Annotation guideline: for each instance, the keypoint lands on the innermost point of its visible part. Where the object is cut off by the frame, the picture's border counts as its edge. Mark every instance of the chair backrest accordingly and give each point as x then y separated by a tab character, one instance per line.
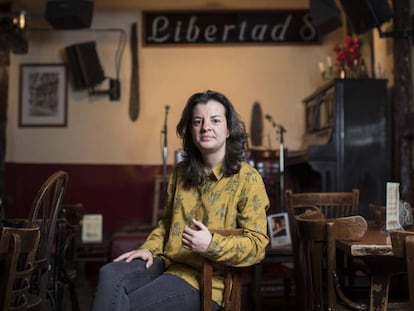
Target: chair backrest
377	213
331	204
232	280
317	241
20	246
403	247
9	256
44	212
45	209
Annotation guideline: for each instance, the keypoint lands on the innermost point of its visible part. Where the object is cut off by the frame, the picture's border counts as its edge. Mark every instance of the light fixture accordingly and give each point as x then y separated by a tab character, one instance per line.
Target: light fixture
20	21
13	31
13	22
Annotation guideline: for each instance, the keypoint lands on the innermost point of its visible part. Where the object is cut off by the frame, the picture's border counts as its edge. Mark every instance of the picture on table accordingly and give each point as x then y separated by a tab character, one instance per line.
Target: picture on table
278	228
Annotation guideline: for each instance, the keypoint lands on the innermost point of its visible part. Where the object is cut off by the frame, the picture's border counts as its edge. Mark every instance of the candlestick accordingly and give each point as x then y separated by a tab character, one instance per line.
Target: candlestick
329	61
321	67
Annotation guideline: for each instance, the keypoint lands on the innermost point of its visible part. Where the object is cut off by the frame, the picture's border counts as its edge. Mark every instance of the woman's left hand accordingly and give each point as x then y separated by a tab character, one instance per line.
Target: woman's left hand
196	237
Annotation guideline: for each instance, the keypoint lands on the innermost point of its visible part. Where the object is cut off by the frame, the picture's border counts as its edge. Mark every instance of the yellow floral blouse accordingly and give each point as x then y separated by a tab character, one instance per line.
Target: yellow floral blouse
237	201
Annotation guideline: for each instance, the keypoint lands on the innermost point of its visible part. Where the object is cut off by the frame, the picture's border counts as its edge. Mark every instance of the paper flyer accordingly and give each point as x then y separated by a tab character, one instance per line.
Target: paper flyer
393	198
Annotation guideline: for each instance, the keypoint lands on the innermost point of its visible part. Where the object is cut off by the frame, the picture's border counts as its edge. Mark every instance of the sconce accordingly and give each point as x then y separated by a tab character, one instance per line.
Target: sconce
12	32
13	22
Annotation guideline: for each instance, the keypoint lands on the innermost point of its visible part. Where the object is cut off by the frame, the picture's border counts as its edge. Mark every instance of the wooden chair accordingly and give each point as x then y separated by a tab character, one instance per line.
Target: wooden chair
44	212
232	283
331	204
376	212
317	241
9	256
68	239
403	247
19	245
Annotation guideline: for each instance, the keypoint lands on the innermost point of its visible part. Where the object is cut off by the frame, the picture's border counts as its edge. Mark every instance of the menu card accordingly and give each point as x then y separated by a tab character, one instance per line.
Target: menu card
392	221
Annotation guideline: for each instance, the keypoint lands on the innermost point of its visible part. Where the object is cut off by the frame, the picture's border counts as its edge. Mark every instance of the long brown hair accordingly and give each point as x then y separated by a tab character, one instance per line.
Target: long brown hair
192	165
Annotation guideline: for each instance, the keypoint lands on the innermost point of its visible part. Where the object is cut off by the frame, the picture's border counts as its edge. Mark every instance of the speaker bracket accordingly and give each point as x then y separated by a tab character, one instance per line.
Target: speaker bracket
114	90
398	34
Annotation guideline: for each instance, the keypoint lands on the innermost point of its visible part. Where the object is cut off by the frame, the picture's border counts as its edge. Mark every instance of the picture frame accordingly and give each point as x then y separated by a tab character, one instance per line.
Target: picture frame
92	228
43	95
278	229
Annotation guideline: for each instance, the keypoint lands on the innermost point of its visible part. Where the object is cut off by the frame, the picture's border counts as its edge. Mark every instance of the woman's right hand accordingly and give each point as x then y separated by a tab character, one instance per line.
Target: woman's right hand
142	253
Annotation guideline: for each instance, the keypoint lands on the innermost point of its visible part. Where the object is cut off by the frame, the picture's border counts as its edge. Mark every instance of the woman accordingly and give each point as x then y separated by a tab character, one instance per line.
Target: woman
213	187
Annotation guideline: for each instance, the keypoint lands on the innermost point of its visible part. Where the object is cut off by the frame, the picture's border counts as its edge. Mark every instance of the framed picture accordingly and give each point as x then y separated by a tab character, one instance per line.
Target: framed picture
92	228
43	95
278	227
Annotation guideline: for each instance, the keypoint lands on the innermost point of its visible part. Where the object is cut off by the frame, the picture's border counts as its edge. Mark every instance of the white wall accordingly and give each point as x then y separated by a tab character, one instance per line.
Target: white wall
99	131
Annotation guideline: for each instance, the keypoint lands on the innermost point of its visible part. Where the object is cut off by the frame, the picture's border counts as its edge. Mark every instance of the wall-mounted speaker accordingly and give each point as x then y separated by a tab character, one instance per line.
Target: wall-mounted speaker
364	15
84	65
326	16
69	14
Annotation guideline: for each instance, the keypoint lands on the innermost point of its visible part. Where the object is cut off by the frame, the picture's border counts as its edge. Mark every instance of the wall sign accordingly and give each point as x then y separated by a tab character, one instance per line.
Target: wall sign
228	27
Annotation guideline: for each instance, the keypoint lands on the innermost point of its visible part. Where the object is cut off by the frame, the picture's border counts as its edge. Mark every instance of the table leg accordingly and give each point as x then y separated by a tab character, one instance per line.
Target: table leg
382	268
379	292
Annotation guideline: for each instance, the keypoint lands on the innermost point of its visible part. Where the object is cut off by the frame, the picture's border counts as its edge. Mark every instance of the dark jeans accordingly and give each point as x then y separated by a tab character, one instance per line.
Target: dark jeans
130	286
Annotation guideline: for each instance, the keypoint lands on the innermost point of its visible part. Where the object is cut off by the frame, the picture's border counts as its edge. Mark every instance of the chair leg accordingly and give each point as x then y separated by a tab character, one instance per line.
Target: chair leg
206	289
74	297
287	284
409	240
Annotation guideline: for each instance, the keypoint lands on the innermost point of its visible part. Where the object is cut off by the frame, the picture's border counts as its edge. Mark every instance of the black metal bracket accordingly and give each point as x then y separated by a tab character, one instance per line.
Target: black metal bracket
397	34
114	91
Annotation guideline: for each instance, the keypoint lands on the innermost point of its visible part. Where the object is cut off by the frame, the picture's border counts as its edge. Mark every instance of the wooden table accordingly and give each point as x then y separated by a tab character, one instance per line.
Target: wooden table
376	250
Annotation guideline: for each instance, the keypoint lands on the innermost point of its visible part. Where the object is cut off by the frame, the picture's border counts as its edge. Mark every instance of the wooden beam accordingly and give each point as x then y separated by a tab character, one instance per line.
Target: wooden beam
402	105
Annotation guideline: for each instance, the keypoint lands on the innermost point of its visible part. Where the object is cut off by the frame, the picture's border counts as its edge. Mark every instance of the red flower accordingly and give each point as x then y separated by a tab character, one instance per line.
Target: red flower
348	52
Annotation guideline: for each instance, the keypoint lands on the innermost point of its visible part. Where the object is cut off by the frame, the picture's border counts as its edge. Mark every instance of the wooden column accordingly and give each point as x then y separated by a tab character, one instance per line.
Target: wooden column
402	105
4	95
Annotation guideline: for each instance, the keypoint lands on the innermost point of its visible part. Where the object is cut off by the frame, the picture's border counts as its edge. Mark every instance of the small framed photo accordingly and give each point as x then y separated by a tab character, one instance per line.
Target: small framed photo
92	228
278	227
43	95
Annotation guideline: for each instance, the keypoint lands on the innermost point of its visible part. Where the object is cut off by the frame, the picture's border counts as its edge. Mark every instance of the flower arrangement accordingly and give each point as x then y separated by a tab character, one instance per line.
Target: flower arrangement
348	53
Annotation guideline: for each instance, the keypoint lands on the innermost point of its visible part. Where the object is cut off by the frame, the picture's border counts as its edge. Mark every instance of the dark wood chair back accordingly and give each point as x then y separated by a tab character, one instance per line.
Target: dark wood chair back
331	204
232	279
69	239
317	241
44	212
403	247
376	212
9	256
19	247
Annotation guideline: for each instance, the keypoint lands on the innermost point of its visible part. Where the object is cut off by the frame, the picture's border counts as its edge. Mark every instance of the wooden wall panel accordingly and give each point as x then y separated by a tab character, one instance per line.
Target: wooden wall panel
122	193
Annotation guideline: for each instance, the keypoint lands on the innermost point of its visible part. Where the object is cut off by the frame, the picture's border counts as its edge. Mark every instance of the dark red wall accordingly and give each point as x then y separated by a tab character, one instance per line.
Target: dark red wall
122	193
